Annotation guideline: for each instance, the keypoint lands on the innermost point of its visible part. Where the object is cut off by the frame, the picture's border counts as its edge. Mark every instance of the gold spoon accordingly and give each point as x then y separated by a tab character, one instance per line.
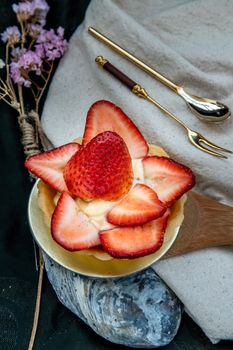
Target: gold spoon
196	139
204	108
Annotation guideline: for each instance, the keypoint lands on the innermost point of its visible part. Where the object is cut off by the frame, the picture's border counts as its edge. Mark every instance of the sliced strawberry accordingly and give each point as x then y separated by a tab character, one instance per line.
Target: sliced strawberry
48	166
102	169
169	179
105	116
139	206
70	227
137	241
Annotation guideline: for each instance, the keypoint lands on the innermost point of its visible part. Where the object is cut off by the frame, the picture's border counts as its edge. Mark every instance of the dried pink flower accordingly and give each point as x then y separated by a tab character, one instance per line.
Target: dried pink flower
29	61
41	9
33	30
17	52
50	45
15	74
29	52
11	35
34	11
24	10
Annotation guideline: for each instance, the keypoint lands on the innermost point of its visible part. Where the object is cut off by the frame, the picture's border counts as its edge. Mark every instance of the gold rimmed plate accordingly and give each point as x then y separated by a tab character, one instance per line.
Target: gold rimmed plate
89	265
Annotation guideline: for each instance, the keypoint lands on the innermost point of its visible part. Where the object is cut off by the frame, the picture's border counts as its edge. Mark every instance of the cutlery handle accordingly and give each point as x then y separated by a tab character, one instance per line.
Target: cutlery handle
135	88
129	83
133	59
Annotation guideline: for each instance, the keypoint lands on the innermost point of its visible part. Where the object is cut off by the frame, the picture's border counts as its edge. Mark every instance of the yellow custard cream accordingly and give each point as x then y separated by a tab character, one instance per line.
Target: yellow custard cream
96	209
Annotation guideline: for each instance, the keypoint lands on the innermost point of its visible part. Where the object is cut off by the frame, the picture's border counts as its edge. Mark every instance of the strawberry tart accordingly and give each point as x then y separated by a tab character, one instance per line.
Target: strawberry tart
109	194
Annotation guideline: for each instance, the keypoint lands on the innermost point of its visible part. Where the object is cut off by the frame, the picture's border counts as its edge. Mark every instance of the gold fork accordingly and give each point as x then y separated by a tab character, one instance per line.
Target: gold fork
196	139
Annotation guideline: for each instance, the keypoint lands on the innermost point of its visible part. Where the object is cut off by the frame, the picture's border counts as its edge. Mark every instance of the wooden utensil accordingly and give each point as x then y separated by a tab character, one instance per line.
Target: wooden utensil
207	223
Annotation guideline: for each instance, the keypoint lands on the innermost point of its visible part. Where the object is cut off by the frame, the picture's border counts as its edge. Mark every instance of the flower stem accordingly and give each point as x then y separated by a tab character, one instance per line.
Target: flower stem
20	90
23	33
11	103
31	44
3	86
33	92
44	87
2	97
38	301
8	77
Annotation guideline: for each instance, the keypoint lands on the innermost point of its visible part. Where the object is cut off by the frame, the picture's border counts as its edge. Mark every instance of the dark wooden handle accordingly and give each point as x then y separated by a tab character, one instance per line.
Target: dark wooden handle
119	75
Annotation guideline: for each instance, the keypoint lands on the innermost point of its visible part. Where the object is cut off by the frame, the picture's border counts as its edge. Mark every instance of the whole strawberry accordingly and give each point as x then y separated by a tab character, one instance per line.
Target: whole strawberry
101	169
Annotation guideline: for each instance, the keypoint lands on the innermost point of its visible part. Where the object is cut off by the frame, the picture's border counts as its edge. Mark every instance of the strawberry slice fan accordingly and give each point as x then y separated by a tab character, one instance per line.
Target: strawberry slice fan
112	168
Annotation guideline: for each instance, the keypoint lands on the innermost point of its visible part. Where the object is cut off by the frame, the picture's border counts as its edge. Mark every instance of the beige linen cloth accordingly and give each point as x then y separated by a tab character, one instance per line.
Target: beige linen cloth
191	42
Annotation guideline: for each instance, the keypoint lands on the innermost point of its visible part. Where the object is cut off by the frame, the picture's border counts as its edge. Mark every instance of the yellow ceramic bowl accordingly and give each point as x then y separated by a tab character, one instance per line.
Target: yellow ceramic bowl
94	262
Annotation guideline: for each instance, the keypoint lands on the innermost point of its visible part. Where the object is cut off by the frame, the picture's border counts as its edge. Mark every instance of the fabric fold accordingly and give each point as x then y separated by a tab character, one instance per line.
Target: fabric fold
185	41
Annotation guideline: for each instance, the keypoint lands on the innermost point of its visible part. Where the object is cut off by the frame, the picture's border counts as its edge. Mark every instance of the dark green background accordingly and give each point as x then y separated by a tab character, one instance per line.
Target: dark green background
58	328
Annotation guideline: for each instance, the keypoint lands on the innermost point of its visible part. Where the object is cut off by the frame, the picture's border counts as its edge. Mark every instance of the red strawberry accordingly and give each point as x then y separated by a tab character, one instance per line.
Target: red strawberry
70	227
139	206
169	179
48	166
102	169
105	116
134	242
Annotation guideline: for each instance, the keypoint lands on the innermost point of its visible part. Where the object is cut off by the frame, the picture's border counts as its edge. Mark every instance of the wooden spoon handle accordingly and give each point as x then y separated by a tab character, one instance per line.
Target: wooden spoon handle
207	224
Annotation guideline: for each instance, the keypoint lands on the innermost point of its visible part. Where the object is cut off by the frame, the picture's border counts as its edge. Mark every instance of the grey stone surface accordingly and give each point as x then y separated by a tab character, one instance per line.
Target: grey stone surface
138	311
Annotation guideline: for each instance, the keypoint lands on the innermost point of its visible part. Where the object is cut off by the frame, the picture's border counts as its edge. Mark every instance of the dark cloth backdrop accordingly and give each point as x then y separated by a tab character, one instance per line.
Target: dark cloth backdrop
58	328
